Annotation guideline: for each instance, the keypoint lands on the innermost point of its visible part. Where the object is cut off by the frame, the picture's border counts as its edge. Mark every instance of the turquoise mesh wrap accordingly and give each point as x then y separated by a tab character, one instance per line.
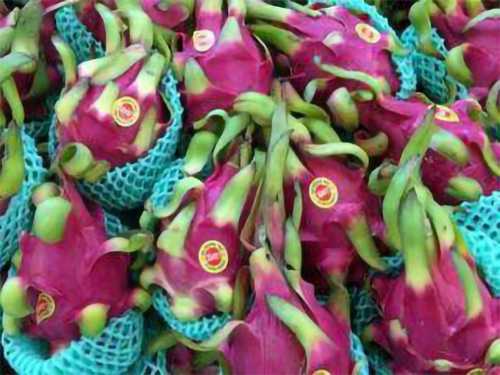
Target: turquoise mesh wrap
480	224
432	75
40	127
19	214
198	330
151	365
403	64
164	187
128	186
112	352
73	32
358	355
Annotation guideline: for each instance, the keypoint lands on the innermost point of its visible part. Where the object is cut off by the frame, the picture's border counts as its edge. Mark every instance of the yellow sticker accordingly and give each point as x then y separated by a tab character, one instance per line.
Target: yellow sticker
323	192
321	372
368	33
445	114
203	40
45	307
126	111
213	256
477	371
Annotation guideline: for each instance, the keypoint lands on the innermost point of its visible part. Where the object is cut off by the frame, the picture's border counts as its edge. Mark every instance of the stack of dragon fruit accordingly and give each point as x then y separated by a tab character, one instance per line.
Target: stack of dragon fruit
300	177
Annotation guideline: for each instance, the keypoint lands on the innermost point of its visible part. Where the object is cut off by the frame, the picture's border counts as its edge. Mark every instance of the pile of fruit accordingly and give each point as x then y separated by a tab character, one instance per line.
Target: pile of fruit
250	187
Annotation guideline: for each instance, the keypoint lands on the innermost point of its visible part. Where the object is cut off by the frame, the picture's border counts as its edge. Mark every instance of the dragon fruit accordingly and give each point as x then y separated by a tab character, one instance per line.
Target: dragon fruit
462	163
168	14
469	32
437	316
322	45
111	111
199	251
12	164
71	277
281	324
216	48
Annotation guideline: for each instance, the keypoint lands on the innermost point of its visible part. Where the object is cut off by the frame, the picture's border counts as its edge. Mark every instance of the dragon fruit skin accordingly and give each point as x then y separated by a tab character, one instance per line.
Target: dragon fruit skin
11	165
330	36
354	209
202	284
280	324
469	32
71	278
169	15
475	158
90	113
420	327
207	84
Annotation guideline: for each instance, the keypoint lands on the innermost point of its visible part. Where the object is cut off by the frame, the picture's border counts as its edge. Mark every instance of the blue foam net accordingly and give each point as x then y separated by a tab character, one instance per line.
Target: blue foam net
432	75
113	352
19	214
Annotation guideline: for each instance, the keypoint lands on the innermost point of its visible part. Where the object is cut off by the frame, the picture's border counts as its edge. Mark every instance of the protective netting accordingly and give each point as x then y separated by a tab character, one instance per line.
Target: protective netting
432	75
198	330
19	214
128	186
403	64
151	365
358	355
113	352
73	32
40	127
164	187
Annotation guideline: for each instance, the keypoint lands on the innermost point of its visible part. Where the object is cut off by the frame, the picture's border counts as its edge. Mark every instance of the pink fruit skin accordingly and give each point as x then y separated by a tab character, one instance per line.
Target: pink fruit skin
75	272
352	53
180	359
435	322
259	345
186	275
232	67
101	134
172	18
398	120
482	55
320	225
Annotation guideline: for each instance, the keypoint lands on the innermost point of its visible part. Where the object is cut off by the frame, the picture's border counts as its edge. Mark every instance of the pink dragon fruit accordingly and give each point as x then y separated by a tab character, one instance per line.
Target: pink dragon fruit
281	324
470	33
437	316
168	14
111	112
462	164
182	360
71	277
220	61
12	164
199	248
322	45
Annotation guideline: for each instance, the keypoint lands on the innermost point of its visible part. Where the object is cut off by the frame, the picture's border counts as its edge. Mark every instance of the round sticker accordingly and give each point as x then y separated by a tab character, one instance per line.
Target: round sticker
213	256
203	40
45	307
321	372
368	33
323	192
126	111
445	114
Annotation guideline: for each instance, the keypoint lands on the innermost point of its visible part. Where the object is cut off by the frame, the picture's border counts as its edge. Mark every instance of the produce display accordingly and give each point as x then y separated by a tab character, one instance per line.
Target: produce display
250	187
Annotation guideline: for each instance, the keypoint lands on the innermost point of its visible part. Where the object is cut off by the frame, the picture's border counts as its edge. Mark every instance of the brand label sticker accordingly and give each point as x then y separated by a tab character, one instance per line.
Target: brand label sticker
213	256
45	307
203	40
126	111
368	33
323	192
445	114
321	372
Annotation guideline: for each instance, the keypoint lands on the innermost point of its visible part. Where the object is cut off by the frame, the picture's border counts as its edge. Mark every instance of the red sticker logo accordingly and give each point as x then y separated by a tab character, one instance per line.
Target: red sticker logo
126	111
45	307
213	256
445	114
323	192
